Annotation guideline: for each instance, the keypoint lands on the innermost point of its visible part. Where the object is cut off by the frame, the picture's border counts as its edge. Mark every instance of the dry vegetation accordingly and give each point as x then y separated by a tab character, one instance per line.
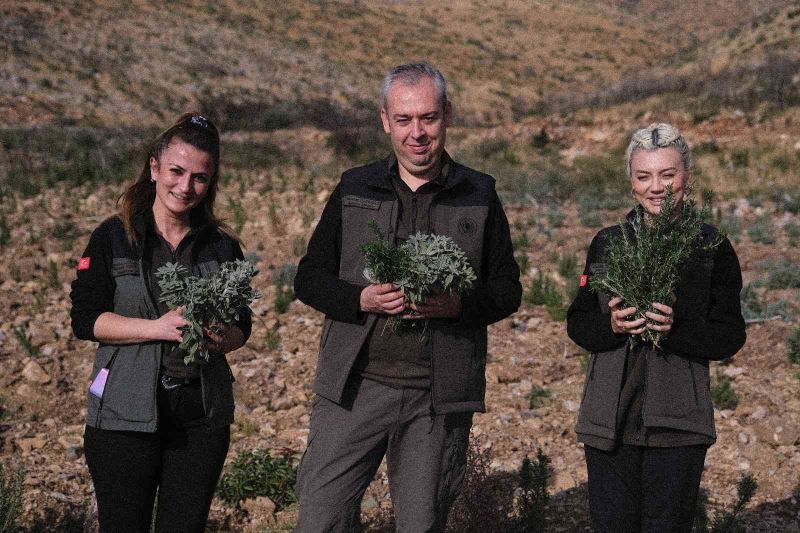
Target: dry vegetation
294	88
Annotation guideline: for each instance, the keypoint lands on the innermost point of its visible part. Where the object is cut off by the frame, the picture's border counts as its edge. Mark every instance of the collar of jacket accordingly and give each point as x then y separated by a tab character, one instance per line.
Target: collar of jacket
144	219
449	174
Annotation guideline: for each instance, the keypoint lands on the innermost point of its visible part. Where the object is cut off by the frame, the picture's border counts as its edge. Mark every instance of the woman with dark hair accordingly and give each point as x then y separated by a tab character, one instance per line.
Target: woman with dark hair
646	418
153	422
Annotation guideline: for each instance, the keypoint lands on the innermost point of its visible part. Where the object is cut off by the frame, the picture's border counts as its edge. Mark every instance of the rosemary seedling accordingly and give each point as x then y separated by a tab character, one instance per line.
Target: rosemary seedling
643	262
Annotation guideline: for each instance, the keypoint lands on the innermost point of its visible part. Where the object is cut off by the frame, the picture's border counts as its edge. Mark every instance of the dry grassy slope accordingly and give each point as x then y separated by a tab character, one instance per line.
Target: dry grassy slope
131	62
705	19
775	31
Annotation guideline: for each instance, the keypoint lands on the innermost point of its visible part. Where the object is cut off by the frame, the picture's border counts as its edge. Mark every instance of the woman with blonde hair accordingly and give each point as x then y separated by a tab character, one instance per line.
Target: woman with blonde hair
154	423
646	418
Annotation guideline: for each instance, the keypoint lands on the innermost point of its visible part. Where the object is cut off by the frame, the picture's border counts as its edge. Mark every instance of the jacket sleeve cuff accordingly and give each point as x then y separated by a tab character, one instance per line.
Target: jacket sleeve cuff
83	325
350	308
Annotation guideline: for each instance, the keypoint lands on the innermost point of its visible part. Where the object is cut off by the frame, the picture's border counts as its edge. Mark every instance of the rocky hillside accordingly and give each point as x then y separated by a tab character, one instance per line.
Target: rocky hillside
547	93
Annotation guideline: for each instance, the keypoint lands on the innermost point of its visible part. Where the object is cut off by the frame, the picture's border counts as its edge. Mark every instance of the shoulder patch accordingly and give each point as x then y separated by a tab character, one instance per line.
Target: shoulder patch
351	200
84	262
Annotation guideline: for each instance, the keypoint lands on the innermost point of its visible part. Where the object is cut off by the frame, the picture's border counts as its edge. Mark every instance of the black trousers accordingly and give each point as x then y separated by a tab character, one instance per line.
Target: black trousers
182	460
634	489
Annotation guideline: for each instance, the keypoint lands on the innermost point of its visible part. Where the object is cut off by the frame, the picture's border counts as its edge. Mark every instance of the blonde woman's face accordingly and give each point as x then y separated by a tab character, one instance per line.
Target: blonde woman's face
652	171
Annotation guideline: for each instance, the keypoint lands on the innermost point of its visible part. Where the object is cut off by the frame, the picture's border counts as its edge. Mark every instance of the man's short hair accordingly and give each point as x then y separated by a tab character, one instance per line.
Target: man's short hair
411	74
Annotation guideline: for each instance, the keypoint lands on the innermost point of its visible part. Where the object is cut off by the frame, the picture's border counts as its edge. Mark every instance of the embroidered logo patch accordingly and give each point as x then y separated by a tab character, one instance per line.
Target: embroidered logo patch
584	279
467	226
84	262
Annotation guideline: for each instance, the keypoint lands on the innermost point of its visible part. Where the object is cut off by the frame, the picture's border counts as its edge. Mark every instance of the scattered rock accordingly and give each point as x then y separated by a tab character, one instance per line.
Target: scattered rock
261	510
34	373
571	406
26	445
759	413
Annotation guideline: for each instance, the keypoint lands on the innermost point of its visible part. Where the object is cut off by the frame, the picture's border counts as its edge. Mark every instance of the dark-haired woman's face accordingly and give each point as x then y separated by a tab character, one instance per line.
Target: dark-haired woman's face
182	177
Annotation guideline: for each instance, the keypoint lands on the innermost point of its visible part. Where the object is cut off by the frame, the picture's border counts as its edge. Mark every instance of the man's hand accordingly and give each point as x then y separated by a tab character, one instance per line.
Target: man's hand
444	305
385	298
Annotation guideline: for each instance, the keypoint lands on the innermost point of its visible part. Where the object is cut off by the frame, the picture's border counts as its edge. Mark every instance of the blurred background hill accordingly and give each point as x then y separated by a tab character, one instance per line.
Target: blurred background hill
546	93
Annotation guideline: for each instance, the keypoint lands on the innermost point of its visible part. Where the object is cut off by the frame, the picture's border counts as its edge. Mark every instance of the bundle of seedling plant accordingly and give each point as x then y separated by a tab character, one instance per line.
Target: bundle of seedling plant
209	303
644	261
424	265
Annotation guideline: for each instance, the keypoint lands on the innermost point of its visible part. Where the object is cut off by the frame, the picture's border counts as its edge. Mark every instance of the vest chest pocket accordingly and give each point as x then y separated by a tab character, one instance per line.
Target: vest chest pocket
357	215
130	292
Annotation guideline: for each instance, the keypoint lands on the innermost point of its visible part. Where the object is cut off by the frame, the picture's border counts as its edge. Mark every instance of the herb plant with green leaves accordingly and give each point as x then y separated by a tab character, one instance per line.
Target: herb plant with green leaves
208	303
423	265
643	262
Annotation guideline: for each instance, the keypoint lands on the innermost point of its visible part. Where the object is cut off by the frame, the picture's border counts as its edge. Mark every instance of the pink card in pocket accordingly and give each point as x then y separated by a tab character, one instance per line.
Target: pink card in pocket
99	383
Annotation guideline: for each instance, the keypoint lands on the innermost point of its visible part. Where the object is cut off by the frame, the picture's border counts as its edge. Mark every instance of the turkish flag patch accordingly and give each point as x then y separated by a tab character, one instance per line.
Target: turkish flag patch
584	278
84	263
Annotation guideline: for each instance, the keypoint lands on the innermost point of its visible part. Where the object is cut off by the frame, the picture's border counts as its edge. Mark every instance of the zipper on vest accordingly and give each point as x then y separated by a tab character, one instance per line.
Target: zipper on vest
694	385
154	312
103	397
641	430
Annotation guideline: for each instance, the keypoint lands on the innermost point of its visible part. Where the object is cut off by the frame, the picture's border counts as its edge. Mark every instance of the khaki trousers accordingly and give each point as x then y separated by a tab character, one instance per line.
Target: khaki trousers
425	455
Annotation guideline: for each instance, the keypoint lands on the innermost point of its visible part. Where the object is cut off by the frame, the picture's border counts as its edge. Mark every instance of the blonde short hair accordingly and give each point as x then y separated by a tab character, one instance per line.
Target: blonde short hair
656	136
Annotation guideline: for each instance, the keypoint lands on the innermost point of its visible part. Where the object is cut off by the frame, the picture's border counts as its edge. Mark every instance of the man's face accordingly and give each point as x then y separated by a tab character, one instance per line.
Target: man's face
417	126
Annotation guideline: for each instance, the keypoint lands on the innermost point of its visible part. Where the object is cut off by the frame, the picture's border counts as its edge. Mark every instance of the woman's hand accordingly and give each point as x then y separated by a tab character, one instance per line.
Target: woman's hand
661	321
166	327
228	339
444	305
385	298
619	324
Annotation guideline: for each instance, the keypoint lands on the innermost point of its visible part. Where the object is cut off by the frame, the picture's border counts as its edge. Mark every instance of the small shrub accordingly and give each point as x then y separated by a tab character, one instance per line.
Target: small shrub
520	241
23	338
540	140
731	226
542	292
568	266
5	231
284	288
486	500
555	217
298	246
729	522
590	218
740	158
755	307
256	473
238	213
65	231
272	340
723	393
761	230
538	397
533	496
11	486
793	346
792	232
781	274
247	426
52	275
522	261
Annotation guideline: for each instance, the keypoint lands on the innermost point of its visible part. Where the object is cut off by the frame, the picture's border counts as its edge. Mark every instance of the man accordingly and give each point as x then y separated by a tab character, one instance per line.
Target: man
380	393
